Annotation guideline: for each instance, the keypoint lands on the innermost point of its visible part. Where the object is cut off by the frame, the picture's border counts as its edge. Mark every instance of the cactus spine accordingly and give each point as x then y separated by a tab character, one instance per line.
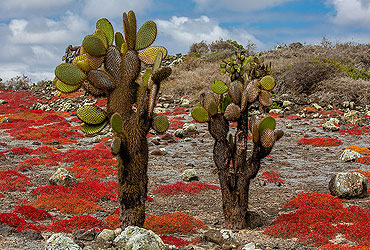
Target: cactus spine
108	65
250	82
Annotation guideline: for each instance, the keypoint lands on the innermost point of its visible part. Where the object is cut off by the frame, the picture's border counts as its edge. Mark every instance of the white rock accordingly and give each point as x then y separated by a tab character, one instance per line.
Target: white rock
135	238
330	125
189	174
349	155
348	185
60	241
287	103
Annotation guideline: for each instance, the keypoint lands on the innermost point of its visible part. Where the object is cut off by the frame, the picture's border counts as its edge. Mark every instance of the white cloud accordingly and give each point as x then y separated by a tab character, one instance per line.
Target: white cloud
237	5
352	12
113	8
178	33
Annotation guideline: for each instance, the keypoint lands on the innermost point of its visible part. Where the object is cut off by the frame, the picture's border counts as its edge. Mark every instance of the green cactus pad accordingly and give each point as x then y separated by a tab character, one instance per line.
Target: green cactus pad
200	114
91	115
82	62
157	61
146	76
100	79
115	145
225	102
219	87
116	123
212	108
69	74
124	48
267	83
146	35
148	55
265	98
160	124
119	40
93	129
94	45
102	37
104	25
232	112
268	138
161	74
66	88
222	71
266	123
206	98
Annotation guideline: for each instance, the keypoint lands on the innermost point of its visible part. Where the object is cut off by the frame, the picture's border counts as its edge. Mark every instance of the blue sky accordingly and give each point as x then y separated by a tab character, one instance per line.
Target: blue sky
35	33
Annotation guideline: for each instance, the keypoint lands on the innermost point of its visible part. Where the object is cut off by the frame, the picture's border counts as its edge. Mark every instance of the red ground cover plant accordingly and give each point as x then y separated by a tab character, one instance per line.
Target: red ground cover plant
96	167
75	223
272	177
30	162
11	219
182	187
350	129
31	213
112	221
11	180
320	141
79	198
308	109
2	195
2	155
319	218
178	222
292	117
171	240
331	112
363	160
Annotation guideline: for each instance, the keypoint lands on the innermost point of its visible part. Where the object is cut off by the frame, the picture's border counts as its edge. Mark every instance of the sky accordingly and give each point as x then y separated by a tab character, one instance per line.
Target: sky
35	33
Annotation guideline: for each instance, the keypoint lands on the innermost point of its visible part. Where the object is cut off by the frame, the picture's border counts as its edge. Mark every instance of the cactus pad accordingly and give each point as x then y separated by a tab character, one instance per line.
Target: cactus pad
266	123
116	123
146	76
112	62
93	45
267	83
99	33
66	88
93	129
100	79
161	74
91	115
131	36
219	87
200	114
115	145
232	112
265	98
146	35
160	124
82	62
206	98
105	26
212	108
119	40
94	62
278	135
148	55
268	138
69	74
236	92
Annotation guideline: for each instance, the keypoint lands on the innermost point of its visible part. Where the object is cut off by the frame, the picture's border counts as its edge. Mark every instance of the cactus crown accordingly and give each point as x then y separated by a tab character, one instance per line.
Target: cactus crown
104	60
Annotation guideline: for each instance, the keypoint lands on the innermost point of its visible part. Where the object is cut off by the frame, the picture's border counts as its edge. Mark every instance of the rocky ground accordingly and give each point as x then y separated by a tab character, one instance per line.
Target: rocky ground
304	169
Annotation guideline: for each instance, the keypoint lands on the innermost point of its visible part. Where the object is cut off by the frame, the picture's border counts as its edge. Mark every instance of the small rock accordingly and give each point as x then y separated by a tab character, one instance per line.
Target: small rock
184	102
136	238
353	117
287	103
88	235
349	155
105	238
316	106
348	185
330	125
31	234
159	151
61	177
155	141
179	133
189	175
60	241
7	120
289	126
3	101
345	104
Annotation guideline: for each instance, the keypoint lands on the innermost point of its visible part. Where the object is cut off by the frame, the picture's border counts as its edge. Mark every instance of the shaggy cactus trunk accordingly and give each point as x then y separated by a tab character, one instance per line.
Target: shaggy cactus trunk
111	71
230	103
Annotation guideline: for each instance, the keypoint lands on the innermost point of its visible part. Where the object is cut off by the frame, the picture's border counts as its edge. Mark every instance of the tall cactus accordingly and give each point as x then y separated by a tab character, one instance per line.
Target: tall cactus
250	82
104	69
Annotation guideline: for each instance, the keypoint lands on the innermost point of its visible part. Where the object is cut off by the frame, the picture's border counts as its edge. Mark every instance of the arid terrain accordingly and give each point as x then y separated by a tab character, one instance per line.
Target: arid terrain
304	168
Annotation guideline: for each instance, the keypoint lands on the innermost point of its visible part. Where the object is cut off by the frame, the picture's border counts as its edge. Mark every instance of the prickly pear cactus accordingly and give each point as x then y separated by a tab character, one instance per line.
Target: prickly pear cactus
108	65
250	82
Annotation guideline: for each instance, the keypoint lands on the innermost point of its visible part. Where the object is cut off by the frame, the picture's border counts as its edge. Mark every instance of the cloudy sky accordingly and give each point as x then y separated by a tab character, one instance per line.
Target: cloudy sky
35	33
